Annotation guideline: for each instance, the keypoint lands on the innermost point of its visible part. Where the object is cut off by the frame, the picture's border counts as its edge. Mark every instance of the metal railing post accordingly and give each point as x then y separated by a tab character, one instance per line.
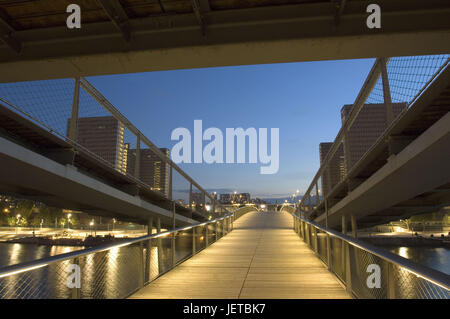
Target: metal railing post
316	242
172	251
73	125
190	196
137	160
215	228
347	269
149	252
206	235
159	243
193	240
390	281
386	91
170	182
173	235
141	265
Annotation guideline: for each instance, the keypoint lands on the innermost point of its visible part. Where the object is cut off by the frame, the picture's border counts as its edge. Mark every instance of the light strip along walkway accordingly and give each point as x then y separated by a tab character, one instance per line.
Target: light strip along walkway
261	258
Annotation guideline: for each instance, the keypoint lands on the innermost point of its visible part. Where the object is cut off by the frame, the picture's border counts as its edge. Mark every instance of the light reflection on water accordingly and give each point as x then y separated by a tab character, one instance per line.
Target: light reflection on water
434	257
114	273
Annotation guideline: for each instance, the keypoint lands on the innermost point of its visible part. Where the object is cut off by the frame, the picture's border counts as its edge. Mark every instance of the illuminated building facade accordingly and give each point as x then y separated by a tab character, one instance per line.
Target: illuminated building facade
104	136
153	171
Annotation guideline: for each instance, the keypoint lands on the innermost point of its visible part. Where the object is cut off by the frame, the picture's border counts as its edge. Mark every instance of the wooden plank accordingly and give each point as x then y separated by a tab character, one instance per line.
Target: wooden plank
261	258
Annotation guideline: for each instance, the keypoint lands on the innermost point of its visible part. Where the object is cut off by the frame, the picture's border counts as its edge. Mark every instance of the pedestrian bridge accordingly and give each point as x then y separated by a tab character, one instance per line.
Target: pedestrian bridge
261	258
245	254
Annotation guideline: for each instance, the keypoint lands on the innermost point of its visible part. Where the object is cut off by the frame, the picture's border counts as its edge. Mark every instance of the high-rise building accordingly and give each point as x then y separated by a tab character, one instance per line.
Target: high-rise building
225	198
335	171
153	171
244	198
103	136
368	126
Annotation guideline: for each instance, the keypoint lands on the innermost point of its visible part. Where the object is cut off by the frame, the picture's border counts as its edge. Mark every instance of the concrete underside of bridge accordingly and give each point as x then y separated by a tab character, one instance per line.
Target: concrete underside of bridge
34	176
261	258
426	159
272	34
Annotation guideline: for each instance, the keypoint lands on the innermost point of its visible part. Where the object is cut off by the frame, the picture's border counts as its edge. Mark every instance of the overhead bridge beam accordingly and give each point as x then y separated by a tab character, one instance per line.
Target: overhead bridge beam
118	16
273	34
7	33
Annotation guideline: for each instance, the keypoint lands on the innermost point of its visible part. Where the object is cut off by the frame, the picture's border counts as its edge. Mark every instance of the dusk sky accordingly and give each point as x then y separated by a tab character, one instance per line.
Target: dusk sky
303	100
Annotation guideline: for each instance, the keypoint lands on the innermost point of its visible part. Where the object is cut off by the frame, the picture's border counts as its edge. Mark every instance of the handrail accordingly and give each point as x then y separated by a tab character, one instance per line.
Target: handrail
23	267
436	277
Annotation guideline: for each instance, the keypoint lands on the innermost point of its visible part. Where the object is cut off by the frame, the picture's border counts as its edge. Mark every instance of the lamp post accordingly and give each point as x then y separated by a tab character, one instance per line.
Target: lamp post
90	226
17	222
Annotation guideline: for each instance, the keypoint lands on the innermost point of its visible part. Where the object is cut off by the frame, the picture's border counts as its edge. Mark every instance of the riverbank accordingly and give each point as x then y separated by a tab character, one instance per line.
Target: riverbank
89	241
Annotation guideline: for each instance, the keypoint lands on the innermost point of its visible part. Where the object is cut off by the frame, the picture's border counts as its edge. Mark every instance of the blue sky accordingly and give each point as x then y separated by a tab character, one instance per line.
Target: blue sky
303	100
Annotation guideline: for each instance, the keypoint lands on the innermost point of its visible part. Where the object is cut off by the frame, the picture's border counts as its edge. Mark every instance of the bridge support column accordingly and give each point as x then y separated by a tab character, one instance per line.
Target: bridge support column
354	226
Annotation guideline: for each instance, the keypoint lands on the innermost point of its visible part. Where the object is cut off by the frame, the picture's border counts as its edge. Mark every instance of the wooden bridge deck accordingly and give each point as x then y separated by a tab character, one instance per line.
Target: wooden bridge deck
261	258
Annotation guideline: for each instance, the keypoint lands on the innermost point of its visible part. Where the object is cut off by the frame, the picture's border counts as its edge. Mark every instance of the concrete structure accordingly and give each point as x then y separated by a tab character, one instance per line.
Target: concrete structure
368	126
190	34
38	177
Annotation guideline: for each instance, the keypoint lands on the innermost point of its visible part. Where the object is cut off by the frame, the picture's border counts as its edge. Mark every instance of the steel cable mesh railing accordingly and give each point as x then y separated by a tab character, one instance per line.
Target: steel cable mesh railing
372	274
114	272
48	101
409	75
410	286
360	260
337	258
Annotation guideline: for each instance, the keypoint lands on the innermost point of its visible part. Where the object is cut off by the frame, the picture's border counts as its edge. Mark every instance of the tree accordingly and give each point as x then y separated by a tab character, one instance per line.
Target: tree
24	208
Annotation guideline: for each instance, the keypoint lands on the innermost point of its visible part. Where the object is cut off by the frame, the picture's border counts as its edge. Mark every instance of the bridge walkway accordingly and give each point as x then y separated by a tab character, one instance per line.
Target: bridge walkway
261	258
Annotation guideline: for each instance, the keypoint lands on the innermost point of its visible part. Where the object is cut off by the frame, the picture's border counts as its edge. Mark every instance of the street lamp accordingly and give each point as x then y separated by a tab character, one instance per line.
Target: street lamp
90	225
68	220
